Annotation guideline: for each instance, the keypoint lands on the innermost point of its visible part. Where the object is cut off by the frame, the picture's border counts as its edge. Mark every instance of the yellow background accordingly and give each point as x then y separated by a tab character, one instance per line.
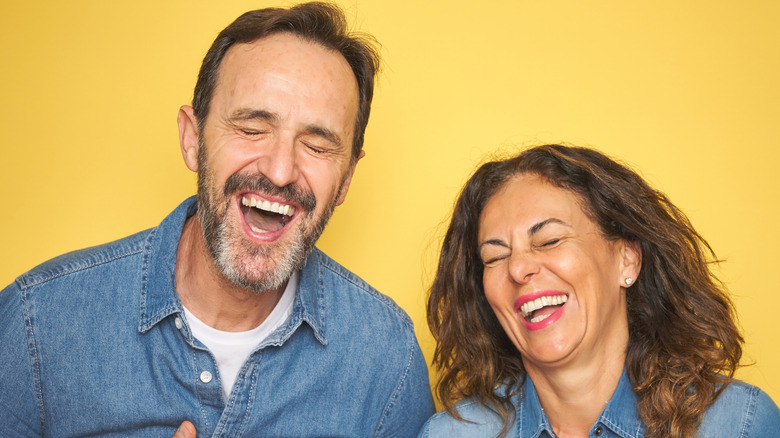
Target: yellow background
686	92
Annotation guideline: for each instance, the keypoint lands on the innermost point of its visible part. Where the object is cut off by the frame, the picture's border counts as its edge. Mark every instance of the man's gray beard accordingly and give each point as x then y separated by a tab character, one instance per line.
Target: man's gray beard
216	234
218	243
274	278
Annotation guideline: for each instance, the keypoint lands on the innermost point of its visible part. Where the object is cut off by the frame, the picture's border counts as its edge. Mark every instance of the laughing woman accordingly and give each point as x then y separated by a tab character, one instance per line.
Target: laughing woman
573	300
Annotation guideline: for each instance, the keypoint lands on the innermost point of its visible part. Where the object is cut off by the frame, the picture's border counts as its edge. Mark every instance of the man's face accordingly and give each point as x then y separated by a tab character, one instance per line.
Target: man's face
274	156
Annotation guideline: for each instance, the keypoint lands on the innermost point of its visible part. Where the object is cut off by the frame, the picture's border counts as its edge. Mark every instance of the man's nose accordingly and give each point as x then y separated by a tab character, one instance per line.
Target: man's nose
279	163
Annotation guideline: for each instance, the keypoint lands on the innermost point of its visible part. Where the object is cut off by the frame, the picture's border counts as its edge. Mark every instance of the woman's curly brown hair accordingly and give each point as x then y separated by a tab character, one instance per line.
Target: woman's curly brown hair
684	345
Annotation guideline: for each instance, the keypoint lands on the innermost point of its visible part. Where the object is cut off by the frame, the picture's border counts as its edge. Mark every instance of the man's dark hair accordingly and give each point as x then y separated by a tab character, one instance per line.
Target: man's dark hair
321	23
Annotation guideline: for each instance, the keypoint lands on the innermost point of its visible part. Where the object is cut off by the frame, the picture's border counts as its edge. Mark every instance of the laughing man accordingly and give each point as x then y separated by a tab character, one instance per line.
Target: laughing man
225	314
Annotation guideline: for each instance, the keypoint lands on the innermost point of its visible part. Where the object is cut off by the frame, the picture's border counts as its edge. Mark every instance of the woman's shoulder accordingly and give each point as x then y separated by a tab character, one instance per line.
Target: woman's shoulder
741	410
478	421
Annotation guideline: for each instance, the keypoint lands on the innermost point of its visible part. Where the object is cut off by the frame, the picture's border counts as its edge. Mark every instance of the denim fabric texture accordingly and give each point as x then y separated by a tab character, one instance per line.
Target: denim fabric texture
94	343
742	411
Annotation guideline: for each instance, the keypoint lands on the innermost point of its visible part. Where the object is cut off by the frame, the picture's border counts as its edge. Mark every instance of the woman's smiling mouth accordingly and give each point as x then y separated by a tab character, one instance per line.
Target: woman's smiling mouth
540	309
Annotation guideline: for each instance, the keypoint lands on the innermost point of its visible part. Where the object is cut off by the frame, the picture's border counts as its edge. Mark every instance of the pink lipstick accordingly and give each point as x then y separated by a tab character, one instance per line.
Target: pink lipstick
540	309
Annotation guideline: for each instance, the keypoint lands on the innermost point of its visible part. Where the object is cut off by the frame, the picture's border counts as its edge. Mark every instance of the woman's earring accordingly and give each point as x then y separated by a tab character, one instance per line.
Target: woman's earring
629	280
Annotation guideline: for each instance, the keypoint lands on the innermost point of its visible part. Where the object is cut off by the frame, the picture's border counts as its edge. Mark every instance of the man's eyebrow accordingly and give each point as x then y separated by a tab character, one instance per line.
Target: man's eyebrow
323	132
244	114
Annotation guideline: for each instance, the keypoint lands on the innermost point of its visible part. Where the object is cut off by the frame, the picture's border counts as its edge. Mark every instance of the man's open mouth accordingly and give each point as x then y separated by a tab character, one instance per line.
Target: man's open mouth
264	216
541	308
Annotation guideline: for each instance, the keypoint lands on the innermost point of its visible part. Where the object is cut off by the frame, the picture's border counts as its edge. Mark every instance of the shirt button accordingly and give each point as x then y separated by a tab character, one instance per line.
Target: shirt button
177	321
598	431
205	377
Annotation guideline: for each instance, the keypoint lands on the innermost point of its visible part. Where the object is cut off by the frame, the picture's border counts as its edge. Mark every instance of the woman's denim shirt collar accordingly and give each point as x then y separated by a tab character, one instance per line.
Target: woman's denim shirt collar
620	415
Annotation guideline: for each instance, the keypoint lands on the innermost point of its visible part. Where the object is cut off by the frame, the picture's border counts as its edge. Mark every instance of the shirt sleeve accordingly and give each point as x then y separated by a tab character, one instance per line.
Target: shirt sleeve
411	403
741	410
478	422
19	414
766	419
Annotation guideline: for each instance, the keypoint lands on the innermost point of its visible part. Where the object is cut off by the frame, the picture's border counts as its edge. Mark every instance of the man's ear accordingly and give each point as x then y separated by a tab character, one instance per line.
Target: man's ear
188	136
631	262
348	179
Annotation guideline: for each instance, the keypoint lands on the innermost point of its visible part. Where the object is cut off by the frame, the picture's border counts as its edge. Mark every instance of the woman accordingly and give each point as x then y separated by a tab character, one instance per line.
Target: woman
572	300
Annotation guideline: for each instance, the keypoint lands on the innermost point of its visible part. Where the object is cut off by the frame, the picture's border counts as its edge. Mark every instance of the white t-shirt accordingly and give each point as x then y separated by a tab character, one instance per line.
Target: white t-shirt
231	349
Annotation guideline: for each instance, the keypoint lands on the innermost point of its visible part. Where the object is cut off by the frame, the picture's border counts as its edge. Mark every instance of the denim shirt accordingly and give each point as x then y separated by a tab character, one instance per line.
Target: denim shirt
741	411
94	343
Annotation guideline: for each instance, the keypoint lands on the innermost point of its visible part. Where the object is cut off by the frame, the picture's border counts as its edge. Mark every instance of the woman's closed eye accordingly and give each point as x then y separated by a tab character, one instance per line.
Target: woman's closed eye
492	257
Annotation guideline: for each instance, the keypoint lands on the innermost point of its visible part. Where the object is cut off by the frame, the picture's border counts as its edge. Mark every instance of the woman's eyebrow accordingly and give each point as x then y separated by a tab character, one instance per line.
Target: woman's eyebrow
531	231
538	226
495	242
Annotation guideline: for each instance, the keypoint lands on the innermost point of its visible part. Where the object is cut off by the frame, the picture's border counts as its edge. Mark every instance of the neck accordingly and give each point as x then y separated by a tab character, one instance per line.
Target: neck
210	296
574	396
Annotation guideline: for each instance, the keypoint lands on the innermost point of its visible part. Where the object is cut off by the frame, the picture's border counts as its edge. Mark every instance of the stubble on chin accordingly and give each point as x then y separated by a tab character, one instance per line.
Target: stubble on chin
245	263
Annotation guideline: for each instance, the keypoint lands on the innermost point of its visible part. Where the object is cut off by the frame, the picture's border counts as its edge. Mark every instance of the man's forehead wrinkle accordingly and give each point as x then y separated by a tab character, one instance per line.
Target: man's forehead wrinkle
279	81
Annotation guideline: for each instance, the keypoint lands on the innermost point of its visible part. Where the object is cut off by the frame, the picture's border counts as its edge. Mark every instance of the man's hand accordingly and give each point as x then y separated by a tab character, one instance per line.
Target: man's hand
186	430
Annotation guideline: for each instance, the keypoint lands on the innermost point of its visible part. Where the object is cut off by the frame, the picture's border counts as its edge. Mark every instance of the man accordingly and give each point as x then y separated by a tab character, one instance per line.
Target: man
228	318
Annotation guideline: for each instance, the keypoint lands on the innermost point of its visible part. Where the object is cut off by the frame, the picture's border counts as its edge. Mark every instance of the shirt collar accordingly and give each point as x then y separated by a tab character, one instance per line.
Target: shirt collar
531	419
310	300
158	281
308	307
620	415
158	271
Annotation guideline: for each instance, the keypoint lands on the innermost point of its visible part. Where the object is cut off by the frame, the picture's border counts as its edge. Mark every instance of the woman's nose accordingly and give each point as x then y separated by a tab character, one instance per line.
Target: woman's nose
523	266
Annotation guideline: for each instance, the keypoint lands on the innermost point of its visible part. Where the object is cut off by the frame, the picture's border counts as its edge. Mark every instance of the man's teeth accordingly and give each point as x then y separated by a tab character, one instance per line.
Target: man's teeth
258	230
540	302
266	205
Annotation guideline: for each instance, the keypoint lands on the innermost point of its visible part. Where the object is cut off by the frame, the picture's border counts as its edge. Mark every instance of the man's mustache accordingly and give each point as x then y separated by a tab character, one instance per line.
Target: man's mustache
291	193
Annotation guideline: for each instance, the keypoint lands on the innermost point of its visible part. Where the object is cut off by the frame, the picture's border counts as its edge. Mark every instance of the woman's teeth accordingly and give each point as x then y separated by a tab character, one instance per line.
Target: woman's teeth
541	302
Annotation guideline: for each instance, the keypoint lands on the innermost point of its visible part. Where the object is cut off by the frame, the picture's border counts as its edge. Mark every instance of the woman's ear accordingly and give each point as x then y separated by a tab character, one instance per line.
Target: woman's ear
630	262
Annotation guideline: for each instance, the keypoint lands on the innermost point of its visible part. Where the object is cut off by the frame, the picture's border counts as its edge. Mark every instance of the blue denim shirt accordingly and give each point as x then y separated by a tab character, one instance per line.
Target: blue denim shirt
94	343
741	411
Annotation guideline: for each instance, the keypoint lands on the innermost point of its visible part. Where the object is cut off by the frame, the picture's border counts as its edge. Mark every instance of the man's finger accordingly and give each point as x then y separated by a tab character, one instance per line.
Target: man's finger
186	430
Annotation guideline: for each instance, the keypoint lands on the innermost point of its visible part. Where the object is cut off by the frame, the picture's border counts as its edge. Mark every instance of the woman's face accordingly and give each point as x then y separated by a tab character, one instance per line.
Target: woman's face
554	282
